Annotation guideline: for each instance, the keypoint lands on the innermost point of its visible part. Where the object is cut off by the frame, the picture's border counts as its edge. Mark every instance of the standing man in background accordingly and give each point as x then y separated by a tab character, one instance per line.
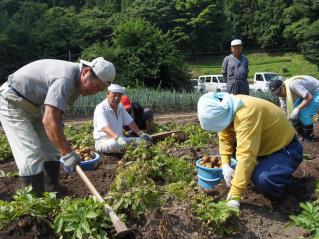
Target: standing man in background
235	69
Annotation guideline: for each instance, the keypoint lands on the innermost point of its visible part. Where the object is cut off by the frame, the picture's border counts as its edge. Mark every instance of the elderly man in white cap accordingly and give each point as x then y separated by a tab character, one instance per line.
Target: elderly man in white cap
267	151
235	69
37	139
109	118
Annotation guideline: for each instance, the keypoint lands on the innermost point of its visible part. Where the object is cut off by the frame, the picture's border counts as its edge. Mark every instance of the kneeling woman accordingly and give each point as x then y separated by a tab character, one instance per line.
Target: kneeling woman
264	141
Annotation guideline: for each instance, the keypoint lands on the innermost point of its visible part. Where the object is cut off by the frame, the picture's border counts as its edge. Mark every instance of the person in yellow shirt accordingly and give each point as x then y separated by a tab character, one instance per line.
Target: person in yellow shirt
267	151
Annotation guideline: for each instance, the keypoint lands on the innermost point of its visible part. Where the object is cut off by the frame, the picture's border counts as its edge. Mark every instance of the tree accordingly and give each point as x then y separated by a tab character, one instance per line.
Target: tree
240	15
161	13
310	45
302	27
7	60
56	32
199	26
143	56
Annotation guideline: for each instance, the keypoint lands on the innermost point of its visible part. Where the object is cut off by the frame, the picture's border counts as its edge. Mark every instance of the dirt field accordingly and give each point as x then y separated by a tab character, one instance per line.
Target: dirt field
259	217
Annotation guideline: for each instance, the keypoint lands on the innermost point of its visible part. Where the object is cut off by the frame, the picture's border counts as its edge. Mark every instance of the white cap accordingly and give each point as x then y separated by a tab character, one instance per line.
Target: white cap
102	68
116	88
236	42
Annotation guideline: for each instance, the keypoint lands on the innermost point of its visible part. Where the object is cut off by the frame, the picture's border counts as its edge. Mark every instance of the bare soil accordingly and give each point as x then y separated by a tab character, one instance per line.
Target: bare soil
259	216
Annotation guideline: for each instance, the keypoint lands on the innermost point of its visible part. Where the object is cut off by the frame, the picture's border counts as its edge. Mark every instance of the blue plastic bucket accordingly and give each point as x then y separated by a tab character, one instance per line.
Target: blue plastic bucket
89	164
207	183
209	177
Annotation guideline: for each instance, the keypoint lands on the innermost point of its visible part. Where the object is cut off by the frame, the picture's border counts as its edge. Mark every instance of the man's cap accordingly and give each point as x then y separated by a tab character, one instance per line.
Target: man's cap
275	87
116	88
236	42
126	102
102	68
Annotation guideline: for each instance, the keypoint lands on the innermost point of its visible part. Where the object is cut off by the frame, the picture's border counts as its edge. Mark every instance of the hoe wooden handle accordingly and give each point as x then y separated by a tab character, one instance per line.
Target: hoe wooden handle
120	227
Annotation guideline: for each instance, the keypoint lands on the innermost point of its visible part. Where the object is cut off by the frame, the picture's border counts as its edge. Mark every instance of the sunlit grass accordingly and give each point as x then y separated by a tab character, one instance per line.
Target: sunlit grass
285	64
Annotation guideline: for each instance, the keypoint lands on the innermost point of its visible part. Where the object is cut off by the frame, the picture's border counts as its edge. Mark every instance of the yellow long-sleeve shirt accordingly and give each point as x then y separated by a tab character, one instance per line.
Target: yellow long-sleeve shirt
259	128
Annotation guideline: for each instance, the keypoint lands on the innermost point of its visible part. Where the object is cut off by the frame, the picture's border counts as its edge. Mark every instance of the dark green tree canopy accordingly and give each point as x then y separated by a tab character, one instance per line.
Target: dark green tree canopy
61	29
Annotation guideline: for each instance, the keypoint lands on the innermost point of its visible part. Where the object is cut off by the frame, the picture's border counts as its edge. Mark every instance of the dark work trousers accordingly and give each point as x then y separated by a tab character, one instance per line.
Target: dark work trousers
238	87
272	173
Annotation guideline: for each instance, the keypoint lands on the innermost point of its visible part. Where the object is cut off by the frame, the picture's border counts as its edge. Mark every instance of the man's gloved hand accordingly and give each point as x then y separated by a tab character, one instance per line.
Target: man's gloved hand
120	140
294	114
233	201
228	173
146	137
69	161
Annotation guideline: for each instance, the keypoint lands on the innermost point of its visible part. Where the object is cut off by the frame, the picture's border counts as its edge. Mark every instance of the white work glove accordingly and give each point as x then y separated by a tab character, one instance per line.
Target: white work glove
228	173
233	202
69	161
121	142
294	114
146	137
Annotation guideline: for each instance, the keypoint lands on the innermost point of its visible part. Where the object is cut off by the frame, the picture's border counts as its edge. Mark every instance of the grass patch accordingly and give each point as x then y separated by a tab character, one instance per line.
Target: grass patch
286	64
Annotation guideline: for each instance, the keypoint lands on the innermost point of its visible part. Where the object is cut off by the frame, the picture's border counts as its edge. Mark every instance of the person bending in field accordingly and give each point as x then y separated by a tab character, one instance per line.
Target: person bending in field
109	118
143	117
37	139
267	151
299	99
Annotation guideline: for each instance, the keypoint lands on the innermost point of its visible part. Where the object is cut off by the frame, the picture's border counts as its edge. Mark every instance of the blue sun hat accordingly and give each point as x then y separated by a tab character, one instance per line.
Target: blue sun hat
216	110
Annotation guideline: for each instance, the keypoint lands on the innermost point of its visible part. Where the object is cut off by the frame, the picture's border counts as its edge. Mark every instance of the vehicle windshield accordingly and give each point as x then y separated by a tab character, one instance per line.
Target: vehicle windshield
201	80
195	82
271	77
221	79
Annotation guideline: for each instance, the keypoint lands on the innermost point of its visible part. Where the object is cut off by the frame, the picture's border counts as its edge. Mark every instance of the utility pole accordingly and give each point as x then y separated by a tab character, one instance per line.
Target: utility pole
69	55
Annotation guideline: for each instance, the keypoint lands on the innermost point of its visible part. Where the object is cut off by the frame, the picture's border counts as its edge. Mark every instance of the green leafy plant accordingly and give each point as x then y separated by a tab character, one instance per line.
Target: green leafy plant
179	190
196	136
81	218
4	174
137	152
308	218
136	199
132	189
171	169
25	203
82	135
5	150
216	215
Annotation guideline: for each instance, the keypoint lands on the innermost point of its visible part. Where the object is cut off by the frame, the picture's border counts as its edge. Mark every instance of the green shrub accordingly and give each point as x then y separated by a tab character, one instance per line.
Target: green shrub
143	56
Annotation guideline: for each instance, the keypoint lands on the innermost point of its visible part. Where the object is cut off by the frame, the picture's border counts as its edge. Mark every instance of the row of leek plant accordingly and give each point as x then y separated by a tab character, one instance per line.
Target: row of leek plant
159	101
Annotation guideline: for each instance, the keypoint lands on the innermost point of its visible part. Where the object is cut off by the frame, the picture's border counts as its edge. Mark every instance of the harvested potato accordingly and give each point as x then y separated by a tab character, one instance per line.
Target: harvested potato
85	153
210	161
206	158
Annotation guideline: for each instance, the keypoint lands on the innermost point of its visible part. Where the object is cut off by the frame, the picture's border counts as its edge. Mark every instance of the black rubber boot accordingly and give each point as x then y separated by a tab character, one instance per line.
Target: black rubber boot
36	181
298	127
51	175
308	133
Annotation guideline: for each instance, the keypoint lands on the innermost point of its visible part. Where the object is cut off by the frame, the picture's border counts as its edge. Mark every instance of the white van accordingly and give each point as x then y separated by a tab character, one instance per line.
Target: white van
198	86
262	80
213	83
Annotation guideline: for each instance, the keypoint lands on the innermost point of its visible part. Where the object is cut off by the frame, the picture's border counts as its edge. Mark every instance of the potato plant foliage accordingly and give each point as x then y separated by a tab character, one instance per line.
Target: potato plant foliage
148	178
5	150
309	216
